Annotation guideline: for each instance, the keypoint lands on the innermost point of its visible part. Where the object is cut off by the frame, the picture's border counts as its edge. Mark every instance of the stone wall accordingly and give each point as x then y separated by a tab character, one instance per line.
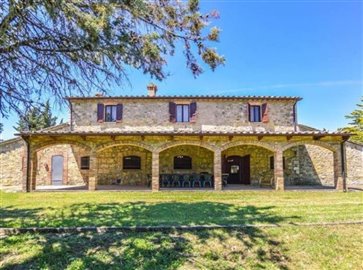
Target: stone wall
11	162
309	165
110	166
202	159
260	172
354	157
212	115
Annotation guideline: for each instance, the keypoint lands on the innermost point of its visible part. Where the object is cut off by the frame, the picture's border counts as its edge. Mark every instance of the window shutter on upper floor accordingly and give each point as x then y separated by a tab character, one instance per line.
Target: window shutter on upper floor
100	112
294	113
193	112
119	112
249	112
172	111
265	117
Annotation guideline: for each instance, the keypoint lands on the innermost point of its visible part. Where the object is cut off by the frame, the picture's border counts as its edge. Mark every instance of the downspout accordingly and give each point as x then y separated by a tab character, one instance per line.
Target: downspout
71	114
28	164
342	155
295	115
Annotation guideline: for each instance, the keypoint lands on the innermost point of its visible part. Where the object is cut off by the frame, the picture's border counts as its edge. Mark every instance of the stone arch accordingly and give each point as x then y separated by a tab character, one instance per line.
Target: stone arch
312	162
115	144
316	143
70	150
253	143
41	146
168	145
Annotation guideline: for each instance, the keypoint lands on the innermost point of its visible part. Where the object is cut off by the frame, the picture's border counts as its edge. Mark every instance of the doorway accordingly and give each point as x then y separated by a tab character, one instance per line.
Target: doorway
238	169
57	170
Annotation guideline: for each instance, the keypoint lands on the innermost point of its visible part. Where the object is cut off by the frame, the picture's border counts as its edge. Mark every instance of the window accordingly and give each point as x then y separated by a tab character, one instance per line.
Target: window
110	113
84	163
131	162
255	113
272	166
182	162
182	113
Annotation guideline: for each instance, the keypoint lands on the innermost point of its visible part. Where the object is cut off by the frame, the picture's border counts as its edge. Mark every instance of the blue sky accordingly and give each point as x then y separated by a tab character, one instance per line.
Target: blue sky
311	49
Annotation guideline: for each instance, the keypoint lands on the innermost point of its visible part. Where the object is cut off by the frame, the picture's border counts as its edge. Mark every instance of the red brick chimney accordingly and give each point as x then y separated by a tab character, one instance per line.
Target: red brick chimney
151	90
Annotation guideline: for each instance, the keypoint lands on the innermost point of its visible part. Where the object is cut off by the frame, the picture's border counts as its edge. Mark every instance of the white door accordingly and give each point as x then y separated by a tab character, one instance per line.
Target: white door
57	170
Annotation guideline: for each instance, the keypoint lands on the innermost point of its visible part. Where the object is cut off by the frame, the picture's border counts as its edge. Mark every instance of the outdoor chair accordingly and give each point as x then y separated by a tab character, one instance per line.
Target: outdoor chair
186	180
175	180
225	179
207	180
196	180
165	182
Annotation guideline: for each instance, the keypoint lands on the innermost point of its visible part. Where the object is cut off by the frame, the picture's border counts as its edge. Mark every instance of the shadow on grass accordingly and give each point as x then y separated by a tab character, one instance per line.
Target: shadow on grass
207	249
141	213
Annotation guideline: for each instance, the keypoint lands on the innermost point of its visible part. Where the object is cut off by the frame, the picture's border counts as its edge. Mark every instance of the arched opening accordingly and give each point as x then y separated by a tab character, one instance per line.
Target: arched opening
308	165
60	166
247	165
186	166
123	167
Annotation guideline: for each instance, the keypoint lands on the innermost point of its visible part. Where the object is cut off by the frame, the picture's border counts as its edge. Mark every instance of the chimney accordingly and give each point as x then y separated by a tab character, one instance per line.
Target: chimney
151	90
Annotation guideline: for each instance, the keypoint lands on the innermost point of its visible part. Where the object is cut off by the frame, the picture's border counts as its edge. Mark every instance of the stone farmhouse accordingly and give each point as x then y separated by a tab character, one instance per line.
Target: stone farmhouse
195	142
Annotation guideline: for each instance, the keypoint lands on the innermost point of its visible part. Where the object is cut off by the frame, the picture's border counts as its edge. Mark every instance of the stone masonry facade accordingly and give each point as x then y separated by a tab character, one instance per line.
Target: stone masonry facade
280	152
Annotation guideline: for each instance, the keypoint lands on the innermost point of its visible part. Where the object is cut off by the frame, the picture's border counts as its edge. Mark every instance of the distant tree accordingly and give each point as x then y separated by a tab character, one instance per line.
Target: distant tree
356	124
1	128
59	48
36	119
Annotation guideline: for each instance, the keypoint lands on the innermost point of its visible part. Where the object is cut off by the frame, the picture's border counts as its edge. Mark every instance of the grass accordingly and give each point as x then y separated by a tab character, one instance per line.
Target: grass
329	247
56	209
278	248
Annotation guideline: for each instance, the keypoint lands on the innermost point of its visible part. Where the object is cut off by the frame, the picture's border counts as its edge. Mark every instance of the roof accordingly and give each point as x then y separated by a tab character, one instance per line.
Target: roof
185	133
52	129
220	97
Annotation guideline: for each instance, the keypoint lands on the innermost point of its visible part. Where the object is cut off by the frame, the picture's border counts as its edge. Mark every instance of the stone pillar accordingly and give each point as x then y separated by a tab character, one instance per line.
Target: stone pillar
338	170
30	166
155	175
279	170
92	177
33	170
217	169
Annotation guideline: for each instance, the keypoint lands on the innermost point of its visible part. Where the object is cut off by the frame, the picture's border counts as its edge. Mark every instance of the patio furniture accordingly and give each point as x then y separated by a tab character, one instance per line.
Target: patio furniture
175	180
207	180
186	180
165	180
225	179
196	180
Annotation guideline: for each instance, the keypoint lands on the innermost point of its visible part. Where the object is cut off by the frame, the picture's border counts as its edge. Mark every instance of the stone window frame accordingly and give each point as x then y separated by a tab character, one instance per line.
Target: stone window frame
132	156
87	166
183	156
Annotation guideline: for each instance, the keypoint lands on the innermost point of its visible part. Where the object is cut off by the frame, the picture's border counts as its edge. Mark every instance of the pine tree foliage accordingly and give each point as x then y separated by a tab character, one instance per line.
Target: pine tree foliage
36	119
356	124
53	48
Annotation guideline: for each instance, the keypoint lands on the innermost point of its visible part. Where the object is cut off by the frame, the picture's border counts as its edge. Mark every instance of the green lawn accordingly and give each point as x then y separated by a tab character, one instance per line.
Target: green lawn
329	247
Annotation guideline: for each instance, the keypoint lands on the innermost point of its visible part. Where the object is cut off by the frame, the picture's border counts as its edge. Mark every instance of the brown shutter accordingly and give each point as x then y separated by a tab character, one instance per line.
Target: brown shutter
264	113
294	113
119	111
193	112
172	111
100	112
249	112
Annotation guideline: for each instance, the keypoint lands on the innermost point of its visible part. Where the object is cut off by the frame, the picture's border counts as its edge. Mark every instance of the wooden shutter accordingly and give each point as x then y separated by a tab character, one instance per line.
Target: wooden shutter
193	111
119	111
264	113
249	111
100	112
294	113
172	111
